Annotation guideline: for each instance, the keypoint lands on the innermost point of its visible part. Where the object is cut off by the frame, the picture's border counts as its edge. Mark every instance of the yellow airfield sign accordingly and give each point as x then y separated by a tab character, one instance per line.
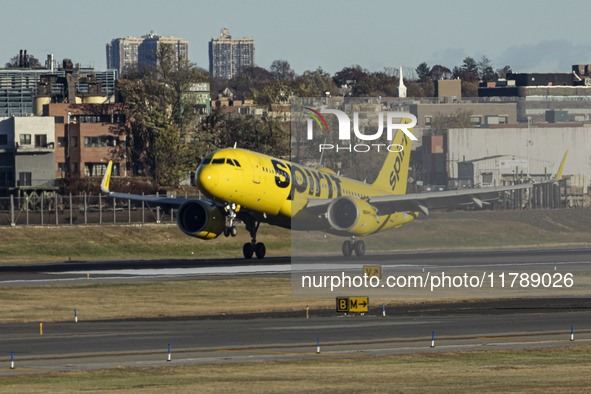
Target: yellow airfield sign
352	304
372	270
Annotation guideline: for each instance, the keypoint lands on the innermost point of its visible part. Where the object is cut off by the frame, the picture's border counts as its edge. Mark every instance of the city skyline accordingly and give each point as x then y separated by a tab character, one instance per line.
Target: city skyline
529	36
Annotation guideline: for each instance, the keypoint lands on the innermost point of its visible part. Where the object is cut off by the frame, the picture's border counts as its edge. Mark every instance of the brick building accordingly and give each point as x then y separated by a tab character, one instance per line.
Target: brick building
85	140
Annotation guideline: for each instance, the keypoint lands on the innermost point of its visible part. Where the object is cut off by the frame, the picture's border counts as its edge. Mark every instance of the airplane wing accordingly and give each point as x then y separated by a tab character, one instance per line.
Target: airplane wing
387	204
424	202
166	202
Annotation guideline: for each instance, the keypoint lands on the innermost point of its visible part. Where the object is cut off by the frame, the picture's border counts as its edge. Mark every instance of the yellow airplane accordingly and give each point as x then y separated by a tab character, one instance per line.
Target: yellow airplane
257	188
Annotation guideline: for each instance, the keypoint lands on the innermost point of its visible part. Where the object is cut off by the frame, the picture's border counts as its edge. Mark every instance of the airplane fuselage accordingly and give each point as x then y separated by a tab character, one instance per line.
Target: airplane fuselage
277	191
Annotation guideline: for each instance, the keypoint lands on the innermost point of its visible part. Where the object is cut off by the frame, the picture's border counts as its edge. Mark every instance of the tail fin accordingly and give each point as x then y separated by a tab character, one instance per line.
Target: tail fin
107	179
559	174
394	173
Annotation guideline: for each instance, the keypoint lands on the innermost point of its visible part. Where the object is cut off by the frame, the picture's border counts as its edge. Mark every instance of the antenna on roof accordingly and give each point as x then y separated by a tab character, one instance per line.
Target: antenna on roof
235	143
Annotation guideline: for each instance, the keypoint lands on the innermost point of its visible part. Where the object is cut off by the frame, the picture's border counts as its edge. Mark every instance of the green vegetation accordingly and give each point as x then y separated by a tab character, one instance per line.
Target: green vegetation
559	370
442	230
151	300
469	230
40	244
161	114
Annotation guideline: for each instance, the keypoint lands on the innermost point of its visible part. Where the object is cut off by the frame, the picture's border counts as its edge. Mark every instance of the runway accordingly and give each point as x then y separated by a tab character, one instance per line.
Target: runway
76	272
94	345
484	325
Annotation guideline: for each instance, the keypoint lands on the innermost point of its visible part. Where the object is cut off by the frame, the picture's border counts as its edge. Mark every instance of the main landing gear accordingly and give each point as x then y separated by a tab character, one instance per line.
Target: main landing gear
253	246
352	245
249	248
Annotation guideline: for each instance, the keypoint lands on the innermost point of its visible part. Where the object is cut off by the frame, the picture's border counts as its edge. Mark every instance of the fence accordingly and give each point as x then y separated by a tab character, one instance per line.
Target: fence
53	209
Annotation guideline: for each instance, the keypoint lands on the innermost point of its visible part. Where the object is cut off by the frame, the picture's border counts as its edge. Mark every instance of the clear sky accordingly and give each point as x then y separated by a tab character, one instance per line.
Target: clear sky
530	36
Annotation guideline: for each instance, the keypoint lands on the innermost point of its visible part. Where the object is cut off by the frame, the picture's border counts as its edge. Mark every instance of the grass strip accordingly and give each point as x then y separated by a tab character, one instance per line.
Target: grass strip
557	370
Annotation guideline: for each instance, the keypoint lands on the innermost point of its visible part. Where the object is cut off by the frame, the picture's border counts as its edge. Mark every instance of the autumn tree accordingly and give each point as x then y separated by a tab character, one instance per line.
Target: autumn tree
264	135
161	114
273	92
350	75
315	83
249	80
282	71
440	72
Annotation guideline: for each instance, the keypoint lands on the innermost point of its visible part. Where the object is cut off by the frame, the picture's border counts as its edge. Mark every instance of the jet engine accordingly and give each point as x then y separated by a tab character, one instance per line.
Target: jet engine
202	219
353	216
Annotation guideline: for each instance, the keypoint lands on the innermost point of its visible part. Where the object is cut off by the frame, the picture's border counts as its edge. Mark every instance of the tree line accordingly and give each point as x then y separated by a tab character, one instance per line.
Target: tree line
168	135
168	131
280	81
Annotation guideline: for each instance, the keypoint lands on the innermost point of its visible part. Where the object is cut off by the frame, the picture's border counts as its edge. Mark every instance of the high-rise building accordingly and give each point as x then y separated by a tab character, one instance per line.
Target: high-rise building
228	56
127	53
122	53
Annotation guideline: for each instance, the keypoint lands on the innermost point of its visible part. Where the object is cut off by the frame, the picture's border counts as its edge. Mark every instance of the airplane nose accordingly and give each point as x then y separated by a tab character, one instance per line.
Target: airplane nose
207	178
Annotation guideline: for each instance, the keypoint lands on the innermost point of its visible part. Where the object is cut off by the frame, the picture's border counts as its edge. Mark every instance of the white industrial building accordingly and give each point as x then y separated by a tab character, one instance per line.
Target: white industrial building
494	156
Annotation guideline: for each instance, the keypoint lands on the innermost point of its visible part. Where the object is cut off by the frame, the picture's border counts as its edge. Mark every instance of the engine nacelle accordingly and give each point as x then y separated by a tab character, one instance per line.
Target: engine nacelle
353	216
201	218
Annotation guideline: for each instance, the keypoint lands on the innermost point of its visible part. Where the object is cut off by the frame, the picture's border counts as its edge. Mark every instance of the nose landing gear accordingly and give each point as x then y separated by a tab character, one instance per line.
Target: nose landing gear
230	229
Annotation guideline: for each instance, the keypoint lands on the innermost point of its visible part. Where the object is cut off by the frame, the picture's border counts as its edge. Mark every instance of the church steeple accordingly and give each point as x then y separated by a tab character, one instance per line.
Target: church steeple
401	89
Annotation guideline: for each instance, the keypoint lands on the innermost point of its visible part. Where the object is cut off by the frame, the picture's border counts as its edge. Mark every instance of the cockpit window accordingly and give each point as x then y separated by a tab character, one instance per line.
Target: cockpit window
230	162
238	164
218	161
206	161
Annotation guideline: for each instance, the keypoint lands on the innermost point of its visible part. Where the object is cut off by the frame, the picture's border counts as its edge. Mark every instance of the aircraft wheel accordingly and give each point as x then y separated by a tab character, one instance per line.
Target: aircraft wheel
233	231
248	250
260	250
347	249
359	247
226	231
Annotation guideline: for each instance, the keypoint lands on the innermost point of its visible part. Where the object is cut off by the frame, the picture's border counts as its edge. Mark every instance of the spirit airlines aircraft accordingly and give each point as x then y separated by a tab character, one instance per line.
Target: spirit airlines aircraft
258	188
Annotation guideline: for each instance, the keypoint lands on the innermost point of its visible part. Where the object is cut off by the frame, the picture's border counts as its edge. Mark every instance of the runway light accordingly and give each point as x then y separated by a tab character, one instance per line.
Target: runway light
75	316
318	345
572	333
169	353
40	328
384	310
11	360
433	339
307	312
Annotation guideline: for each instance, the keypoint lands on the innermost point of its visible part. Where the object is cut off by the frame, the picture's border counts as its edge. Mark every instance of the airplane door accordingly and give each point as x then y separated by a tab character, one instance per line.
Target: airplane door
256	168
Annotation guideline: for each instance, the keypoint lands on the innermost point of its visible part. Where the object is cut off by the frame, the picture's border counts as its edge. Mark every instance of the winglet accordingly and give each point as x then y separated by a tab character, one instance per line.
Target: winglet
107	179
559	175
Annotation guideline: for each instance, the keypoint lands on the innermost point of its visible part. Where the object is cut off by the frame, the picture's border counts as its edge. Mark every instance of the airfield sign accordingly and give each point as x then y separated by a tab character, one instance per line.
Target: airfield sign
352	304
372	270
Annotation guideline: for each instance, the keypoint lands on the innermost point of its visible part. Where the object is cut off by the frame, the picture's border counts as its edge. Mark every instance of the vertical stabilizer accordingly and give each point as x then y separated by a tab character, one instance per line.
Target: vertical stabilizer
394	173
